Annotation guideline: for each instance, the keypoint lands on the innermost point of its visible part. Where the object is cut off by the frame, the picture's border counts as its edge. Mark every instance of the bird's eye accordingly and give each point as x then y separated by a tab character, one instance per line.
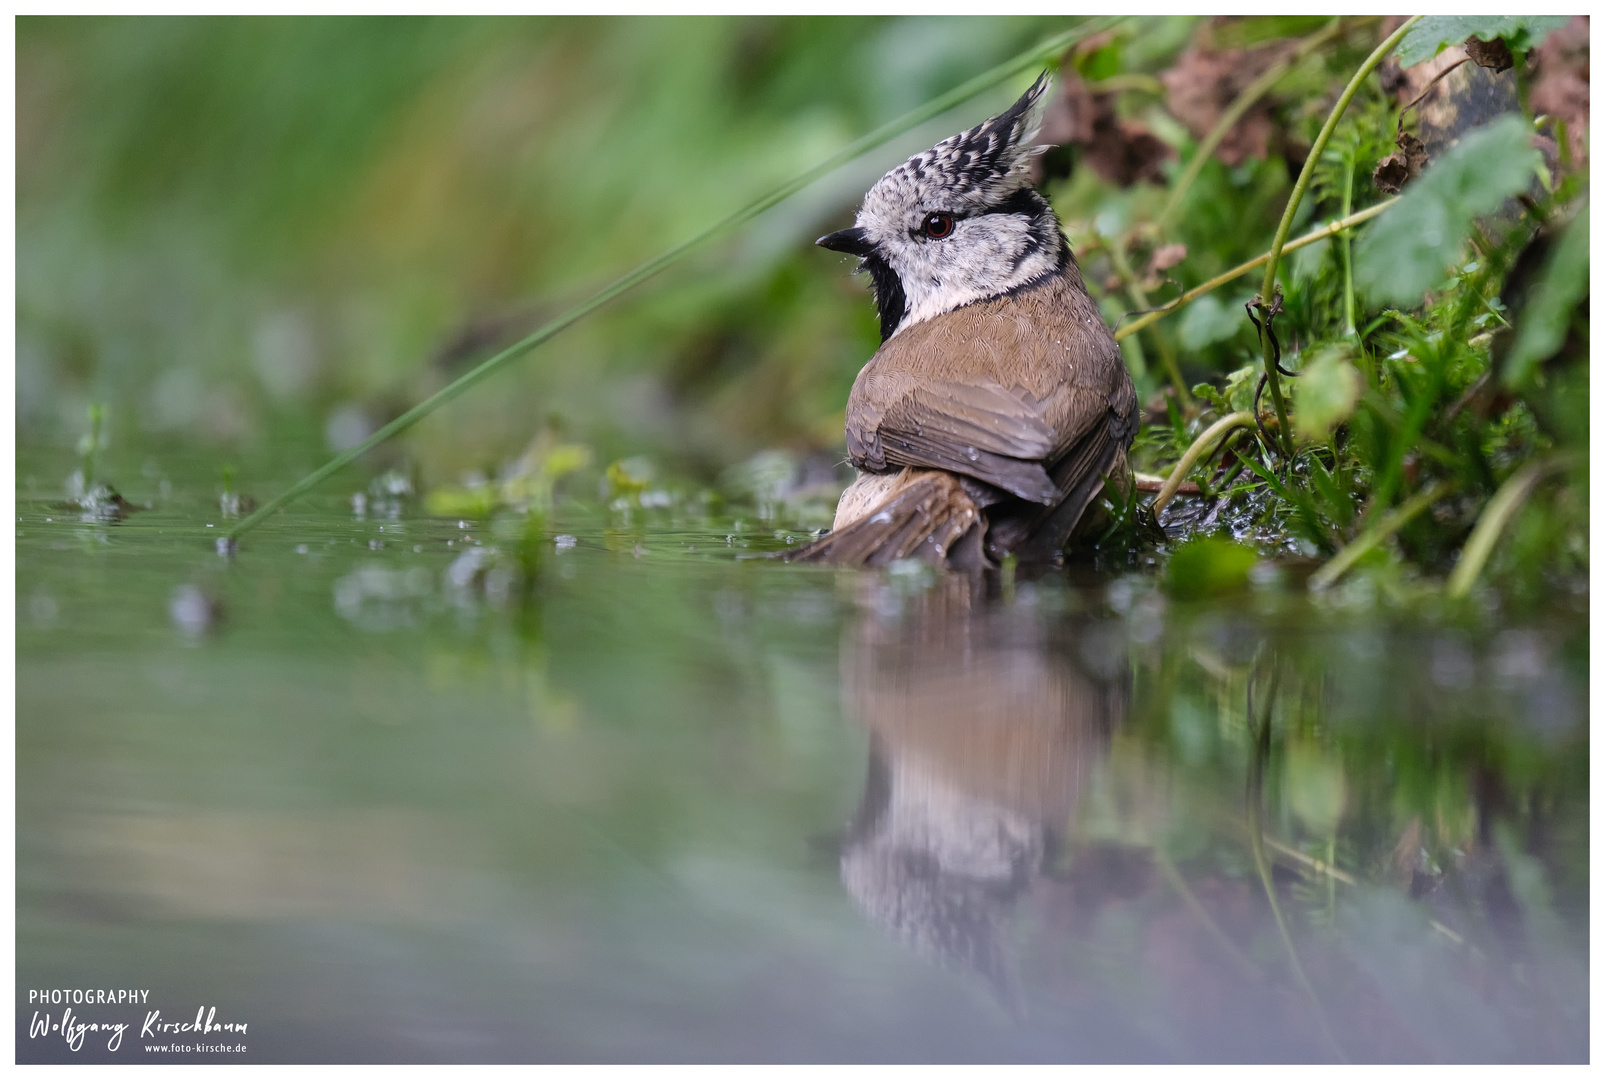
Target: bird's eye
938	226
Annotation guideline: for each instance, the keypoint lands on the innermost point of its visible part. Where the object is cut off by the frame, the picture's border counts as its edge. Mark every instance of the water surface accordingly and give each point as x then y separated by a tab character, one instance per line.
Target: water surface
615	792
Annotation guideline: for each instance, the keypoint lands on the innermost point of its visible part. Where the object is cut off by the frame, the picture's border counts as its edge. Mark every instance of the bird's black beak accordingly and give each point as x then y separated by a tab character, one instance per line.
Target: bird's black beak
850	241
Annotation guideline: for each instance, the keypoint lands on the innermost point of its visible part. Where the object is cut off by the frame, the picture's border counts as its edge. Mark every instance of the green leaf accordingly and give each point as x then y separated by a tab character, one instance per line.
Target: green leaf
1405	251
1435	32
475	502
1207	321
1240	386
1208	566
1325	393
628	477
1543	323
1205	392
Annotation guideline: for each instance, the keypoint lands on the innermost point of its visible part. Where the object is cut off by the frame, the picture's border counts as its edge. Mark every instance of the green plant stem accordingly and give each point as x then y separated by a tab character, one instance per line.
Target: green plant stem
1326	868
1497	514
1324	232
1267	289
1346	248
92	452
1234	112
1339	564
935	107
1523	87
1194	452
1167	355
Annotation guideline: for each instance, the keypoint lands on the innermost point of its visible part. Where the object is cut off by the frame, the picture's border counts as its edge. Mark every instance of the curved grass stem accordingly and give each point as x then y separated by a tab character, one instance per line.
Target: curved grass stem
1268	288
1050	47
1150	317
1346	251
1497	514
1201	444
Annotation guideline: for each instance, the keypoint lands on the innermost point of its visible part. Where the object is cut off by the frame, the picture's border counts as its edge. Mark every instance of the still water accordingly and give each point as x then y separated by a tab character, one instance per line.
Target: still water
617	791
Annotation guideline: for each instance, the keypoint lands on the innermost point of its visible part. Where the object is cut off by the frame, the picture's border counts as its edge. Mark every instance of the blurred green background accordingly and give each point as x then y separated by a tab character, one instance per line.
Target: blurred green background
242	231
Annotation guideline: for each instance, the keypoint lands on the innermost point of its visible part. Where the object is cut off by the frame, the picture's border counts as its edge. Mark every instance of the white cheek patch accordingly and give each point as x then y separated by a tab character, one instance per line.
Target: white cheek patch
984	257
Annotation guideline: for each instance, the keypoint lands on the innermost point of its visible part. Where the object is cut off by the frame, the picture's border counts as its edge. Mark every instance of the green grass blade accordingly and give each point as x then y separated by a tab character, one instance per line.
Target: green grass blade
931	109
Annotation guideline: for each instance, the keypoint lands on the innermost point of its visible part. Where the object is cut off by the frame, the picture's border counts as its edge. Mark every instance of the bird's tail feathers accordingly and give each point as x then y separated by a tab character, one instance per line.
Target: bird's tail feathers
920	513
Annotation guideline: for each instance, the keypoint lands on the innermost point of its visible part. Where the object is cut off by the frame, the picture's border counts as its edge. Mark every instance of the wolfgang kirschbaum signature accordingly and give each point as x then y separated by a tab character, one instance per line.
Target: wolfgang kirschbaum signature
157	1033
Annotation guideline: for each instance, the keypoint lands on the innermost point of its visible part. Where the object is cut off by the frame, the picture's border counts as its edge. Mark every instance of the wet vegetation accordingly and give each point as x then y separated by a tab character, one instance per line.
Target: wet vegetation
1434	354
1289	761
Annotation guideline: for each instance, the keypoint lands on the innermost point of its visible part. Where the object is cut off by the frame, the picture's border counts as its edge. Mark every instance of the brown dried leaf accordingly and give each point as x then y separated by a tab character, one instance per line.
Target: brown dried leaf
1203	83
1493	54
1125	152
1391	174
1166	257
1413	150
1163	259
1398	169
1121	151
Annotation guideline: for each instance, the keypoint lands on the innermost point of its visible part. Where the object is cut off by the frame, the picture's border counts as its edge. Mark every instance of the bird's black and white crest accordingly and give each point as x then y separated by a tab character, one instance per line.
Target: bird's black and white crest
959	222
974	169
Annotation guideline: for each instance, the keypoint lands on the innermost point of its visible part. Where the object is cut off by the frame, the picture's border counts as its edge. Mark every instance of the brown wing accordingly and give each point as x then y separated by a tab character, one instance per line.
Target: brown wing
1000	435
976	429
1036	533
1000	391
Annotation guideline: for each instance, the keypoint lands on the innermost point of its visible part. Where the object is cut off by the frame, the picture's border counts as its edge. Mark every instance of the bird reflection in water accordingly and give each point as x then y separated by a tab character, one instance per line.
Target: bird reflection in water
989	726
984	724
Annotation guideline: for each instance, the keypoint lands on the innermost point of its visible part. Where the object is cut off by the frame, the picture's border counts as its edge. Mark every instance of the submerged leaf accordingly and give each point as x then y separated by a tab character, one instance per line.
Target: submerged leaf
1405	251
628	477
1208	566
